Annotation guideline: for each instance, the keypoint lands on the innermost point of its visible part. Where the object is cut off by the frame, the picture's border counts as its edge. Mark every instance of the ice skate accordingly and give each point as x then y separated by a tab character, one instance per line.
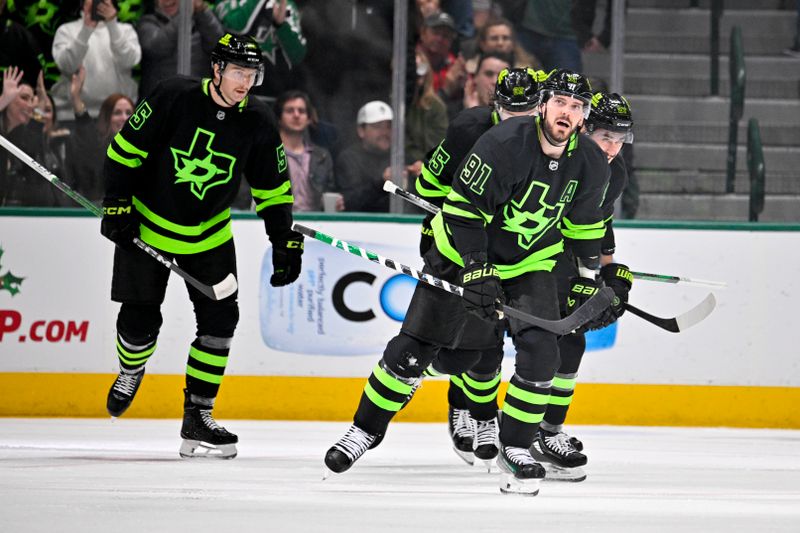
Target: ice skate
558	455
123	390
341	456
485	444
202	436
462	432
519	472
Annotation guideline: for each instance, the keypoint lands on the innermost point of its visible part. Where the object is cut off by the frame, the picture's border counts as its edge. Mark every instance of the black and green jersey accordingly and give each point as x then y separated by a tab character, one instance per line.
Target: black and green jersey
180	158
512	202
436	178
617	182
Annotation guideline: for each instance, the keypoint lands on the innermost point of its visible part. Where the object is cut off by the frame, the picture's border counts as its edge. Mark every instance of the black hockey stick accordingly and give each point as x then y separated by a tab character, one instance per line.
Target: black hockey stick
583	314
390	187
221	290
682	322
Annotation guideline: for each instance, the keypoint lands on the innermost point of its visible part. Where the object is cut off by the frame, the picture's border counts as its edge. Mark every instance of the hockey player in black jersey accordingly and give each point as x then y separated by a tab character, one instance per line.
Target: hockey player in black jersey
609	125
498	236
171	176
516	93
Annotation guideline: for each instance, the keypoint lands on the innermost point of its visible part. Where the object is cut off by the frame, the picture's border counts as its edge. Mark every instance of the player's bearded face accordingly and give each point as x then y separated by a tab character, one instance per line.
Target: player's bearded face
563	115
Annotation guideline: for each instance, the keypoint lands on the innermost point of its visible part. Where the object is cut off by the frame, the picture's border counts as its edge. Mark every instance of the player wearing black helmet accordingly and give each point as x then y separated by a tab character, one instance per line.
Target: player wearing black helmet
610	124
497	236
171	176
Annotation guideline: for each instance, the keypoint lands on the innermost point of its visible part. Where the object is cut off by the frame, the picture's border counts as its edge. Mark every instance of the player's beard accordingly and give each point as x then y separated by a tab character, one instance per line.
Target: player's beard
553	135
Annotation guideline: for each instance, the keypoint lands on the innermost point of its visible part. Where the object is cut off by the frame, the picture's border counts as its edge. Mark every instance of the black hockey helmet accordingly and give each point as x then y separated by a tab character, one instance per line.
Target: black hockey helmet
612	112
241	50
517	89
568	83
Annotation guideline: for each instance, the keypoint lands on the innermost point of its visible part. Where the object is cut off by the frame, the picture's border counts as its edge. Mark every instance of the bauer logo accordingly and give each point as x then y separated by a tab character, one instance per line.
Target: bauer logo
340	304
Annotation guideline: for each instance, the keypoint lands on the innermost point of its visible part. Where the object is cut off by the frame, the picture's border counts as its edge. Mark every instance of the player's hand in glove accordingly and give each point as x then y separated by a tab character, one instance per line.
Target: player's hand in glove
119	223
286	261
580	290
620	279
426	239
483	294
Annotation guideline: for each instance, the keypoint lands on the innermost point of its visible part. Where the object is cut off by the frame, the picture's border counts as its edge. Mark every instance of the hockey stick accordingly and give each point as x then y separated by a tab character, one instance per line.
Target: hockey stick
583	314
390	187
221	290
682	322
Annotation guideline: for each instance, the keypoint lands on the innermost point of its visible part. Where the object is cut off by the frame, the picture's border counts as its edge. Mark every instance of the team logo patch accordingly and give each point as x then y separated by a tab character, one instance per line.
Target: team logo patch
553	165
201	166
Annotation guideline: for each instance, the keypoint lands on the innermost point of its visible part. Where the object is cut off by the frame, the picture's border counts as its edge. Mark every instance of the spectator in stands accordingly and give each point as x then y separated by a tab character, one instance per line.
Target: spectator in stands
275	24
310	165
158	34
436	41
107	49
480	86
41	18
428	7
545	31
362	168
426	118
20	186
18	47
461	11
89	140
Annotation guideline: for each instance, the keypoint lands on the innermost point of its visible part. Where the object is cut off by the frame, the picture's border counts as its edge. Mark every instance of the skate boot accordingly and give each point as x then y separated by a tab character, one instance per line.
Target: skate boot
519	472
462	432
123	390
347	450
485	444
202	436
558	455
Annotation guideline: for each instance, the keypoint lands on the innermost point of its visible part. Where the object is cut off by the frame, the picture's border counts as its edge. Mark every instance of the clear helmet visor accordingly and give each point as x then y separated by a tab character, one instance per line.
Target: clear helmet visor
566	99
622	133
243	74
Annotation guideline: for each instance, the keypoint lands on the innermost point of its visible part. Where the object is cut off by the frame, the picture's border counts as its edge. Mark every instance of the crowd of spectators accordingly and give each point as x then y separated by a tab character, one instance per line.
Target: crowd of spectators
74	71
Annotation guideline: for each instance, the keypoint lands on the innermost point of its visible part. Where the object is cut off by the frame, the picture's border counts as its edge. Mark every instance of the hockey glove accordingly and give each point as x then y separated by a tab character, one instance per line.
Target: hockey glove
483	294
620	279
580	290
426	239
119	223
286	261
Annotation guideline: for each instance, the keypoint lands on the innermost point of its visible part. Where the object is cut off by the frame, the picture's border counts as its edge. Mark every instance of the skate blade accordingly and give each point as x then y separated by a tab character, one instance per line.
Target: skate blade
467	457
192	449
558	473
524	487
327	473
486	464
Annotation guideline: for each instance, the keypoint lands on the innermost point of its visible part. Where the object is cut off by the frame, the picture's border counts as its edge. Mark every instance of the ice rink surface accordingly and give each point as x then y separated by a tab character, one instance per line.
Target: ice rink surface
92	475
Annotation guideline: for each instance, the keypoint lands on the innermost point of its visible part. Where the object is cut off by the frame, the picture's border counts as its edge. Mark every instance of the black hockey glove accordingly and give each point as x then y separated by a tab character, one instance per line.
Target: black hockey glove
426	239
286	261
119	223
620	279
483	294
580	290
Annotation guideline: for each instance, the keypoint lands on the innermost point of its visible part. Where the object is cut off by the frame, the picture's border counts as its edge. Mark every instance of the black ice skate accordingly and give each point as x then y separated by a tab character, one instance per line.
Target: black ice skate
123	390
485	444
519	473
462	432
558	455
347	450
202	436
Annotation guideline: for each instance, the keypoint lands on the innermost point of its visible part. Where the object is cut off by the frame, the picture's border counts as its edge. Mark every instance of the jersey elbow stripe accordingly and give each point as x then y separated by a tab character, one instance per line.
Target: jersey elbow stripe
437	188
583	231
455	211
285	199
133	162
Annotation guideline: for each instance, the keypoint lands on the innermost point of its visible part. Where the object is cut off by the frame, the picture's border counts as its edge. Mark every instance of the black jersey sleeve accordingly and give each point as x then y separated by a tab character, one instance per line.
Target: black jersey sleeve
617	183
483	182
267	172
441	163
583	226
130	148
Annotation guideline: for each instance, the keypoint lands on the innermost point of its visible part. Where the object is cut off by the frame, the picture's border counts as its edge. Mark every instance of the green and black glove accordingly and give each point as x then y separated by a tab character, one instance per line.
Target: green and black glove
483	294
119	223
286	261
620	279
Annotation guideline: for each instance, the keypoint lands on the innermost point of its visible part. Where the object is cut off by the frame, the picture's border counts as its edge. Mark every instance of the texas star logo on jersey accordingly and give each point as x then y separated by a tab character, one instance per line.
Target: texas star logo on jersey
9	282
201	166
532	225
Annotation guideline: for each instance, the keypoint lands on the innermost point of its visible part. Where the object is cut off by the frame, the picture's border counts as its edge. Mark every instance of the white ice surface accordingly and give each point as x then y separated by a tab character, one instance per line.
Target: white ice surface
90	475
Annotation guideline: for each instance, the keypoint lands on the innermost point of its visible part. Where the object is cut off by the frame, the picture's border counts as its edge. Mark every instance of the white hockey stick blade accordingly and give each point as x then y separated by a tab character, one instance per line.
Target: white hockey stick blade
226	287
697	314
